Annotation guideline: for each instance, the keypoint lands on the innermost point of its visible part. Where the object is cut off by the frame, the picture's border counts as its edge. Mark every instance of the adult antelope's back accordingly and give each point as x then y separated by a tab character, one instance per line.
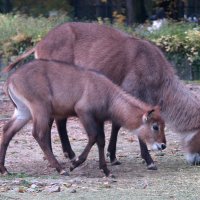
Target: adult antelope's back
138	66
42	89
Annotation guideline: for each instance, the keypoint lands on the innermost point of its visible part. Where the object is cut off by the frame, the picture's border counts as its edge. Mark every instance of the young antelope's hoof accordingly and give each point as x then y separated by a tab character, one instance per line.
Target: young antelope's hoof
116	162
152	166
64	173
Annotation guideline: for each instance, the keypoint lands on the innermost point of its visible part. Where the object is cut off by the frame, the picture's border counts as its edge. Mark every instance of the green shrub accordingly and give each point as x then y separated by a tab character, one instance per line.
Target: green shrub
180	41
18	32
181	44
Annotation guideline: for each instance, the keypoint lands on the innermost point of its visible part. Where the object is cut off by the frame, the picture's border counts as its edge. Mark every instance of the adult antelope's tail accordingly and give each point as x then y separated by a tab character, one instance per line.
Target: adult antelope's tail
21	57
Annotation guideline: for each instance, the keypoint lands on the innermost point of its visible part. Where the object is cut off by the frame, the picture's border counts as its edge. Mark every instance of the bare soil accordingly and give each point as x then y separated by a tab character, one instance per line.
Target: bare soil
33	178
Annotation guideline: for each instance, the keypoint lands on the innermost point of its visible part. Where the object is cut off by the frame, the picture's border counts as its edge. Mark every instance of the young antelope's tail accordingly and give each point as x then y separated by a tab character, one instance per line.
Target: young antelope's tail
21	57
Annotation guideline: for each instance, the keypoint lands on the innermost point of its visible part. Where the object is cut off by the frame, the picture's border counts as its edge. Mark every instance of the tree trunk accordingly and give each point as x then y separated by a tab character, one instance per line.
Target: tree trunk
7	6
136	12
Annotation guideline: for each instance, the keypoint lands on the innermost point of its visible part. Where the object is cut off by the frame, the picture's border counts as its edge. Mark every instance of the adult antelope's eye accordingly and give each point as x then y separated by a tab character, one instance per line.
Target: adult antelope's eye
155	127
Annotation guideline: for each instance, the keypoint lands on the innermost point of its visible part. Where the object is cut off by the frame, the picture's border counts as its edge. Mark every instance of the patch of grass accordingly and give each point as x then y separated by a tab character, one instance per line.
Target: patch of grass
16	175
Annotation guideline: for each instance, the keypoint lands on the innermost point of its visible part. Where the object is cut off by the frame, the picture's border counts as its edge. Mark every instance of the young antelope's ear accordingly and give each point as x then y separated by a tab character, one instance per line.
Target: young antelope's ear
147	116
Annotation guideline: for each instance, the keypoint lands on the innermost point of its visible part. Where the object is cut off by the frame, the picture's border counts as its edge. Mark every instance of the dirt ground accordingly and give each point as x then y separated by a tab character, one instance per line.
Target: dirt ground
32	178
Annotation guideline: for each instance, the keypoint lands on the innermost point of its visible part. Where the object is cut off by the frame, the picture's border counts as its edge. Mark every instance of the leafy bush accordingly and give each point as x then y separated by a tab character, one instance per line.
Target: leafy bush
180	41
41	7
19	32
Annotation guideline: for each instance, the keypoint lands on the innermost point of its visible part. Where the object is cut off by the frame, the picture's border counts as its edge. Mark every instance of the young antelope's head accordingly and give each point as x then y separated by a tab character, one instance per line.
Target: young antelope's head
152	129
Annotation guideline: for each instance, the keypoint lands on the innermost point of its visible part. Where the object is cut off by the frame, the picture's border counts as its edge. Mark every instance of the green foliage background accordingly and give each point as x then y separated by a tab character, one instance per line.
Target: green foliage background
179	40
41	7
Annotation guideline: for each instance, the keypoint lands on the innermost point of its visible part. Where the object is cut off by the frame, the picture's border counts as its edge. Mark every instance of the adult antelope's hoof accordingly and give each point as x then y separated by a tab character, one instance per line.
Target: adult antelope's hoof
116	162
193	158
152	166
64	173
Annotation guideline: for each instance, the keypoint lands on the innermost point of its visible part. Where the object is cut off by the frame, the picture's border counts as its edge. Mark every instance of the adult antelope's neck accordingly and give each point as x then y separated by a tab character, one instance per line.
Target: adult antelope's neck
180	108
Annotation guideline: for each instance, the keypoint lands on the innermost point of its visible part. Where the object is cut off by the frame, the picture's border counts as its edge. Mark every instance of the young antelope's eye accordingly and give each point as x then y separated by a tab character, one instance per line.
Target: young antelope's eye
155	127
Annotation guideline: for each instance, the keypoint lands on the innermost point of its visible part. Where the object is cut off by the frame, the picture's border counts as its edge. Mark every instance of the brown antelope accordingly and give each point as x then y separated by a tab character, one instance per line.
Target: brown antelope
136	65
42	89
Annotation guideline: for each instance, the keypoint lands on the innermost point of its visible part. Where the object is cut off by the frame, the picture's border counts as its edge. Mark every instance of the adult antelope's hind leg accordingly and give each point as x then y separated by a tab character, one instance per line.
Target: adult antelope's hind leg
9	130
146	156
66	146
111	152
49	133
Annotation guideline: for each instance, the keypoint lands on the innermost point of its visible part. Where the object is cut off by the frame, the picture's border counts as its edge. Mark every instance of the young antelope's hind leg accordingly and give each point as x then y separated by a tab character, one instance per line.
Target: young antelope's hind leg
146	156
9	130
111	152
40	130
66	146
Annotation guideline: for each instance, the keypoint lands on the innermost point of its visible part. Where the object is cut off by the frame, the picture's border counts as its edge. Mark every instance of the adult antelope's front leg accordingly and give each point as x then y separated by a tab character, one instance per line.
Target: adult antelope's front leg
66	146
111	152
146	156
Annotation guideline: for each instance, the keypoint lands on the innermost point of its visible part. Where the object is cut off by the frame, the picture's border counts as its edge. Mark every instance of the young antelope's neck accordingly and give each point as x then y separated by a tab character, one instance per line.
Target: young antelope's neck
127	111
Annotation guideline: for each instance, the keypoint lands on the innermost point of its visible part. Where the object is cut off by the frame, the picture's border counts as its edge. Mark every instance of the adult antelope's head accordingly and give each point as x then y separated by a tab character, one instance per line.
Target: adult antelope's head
191	141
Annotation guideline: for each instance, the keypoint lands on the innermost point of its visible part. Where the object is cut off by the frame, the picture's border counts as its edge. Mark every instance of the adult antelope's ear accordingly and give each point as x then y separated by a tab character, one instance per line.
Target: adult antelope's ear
147	116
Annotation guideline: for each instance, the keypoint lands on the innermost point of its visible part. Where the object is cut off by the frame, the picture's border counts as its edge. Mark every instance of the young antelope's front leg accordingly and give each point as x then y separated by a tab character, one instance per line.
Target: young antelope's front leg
84	154
101	147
